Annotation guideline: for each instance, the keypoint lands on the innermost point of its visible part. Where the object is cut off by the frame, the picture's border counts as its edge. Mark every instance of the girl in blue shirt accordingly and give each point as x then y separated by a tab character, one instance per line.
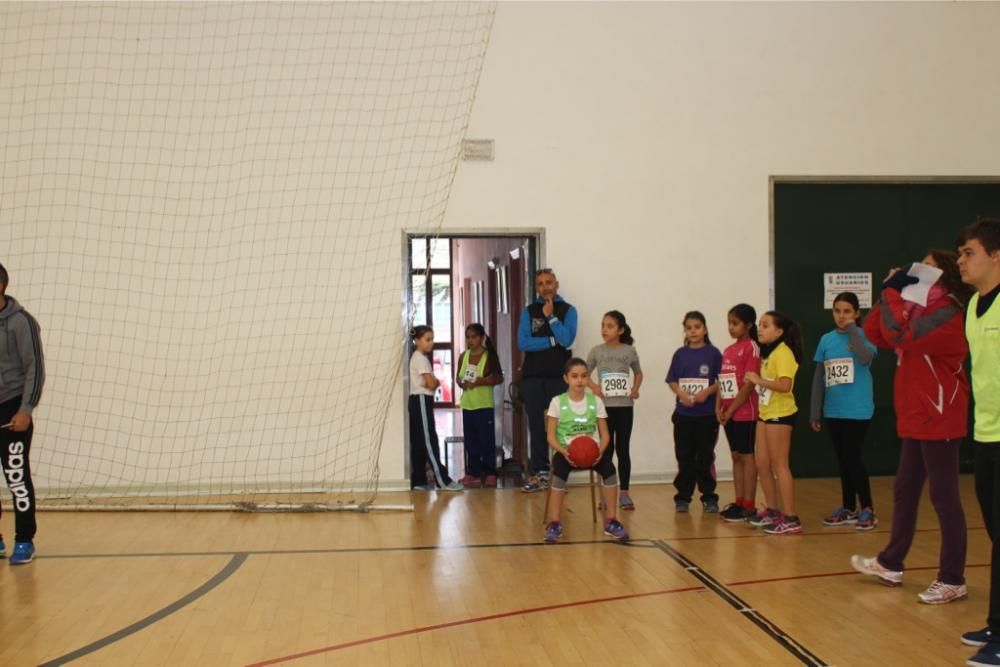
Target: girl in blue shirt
842	392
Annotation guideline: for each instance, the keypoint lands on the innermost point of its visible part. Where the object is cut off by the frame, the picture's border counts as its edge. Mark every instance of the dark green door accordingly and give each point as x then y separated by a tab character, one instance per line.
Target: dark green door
859	227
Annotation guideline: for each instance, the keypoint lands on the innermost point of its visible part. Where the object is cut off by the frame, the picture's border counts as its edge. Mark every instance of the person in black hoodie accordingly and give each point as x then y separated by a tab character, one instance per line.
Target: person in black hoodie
22	374
545	334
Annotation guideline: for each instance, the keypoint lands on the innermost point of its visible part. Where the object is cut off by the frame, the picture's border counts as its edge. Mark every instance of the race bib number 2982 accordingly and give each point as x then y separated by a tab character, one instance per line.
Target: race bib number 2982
615	384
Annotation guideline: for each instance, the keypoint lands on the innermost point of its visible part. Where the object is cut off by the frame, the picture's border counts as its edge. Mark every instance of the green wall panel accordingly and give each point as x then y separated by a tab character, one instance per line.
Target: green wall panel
859	227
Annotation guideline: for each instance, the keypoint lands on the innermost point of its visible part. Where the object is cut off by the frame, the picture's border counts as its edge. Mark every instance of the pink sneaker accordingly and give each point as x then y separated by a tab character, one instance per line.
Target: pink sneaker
942	593
786	526
872	567
469	482
491	482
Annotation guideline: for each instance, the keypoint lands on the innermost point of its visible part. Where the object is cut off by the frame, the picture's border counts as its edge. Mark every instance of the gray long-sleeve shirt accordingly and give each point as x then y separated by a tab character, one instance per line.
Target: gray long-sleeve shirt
22	363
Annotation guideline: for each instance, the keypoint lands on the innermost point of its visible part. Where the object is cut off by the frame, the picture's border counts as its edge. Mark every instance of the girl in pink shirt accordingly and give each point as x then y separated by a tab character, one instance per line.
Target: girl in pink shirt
736	409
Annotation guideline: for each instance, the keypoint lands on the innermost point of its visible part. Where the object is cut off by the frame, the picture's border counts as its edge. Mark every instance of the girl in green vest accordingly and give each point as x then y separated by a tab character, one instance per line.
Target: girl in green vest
573	414
478	372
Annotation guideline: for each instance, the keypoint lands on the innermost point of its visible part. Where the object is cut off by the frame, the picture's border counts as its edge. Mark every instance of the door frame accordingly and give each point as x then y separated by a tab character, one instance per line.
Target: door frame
535	258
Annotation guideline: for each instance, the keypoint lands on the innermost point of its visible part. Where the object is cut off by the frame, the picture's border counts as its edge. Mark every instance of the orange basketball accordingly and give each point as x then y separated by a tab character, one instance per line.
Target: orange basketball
583	451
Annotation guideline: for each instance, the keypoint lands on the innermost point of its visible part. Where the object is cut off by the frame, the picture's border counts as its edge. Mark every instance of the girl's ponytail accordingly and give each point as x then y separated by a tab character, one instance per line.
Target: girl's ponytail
626	336
492	359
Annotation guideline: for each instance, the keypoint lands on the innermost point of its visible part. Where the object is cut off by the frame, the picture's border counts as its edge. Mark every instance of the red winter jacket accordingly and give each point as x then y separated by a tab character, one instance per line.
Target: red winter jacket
931	390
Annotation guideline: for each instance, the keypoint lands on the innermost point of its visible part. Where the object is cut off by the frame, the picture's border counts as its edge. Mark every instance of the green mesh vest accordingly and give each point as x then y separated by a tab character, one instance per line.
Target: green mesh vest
571	424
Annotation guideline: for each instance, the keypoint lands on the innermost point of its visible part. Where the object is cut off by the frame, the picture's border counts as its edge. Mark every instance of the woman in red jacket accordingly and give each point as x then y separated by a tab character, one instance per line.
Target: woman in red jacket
932	411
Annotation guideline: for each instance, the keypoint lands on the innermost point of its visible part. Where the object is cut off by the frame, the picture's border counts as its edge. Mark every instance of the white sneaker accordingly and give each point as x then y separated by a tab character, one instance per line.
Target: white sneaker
872	567
453	486
942	593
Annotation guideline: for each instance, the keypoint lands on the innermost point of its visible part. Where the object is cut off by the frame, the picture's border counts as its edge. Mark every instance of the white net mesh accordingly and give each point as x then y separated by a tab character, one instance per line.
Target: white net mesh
203	206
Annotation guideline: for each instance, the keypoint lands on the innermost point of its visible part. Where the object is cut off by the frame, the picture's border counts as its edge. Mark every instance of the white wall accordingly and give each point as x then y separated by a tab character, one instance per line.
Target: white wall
641	137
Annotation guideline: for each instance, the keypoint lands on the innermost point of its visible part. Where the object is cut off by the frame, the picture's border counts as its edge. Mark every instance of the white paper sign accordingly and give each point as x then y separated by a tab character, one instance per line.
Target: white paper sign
928	275
859	283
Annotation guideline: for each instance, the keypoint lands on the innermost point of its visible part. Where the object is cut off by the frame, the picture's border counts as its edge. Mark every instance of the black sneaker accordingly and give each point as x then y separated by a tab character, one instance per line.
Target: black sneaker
729	510
978	637
735	513
710	506
682	505
988	656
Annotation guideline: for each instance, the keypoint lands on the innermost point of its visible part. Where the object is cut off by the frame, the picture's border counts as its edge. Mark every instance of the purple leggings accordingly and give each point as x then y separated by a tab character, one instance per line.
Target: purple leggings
936	460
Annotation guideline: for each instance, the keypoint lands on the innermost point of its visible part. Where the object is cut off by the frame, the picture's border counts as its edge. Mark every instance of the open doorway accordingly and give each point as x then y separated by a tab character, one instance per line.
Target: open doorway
456	280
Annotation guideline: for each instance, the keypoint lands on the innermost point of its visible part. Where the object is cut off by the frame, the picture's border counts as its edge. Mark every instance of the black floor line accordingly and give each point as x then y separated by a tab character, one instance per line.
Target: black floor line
642	543
234	564
804	655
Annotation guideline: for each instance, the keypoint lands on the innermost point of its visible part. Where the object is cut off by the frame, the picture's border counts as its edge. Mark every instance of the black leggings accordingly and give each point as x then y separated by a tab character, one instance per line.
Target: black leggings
561	469
694	445
620	428
848	437
14	450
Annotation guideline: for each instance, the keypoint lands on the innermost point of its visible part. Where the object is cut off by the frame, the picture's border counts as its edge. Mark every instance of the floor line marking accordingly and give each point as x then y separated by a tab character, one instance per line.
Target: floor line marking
803	654
234	564
468	621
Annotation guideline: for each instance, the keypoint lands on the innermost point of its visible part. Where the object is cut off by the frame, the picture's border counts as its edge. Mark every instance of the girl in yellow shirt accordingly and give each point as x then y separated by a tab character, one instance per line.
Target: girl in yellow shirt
781	351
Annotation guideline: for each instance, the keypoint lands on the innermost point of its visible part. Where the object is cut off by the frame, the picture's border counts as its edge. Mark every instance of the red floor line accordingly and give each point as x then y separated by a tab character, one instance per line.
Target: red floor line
467	621
565	605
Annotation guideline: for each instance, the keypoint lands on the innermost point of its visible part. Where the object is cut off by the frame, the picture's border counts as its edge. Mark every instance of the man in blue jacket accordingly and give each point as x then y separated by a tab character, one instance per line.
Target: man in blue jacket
545	334
22	374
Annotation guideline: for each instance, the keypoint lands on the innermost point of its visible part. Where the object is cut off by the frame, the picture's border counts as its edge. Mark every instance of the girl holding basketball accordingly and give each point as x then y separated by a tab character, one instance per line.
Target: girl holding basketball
613	360
576	421
693	375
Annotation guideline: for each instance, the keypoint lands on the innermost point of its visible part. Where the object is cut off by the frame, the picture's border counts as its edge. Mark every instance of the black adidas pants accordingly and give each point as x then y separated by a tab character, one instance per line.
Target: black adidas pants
14	450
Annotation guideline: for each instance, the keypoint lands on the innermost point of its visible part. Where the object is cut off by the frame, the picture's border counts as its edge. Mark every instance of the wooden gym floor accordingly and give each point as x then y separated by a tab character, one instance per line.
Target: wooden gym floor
465	579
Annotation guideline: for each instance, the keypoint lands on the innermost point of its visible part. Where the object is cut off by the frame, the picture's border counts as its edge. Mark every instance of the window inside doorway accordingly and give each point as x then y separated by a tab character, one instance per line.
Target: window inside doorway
431	290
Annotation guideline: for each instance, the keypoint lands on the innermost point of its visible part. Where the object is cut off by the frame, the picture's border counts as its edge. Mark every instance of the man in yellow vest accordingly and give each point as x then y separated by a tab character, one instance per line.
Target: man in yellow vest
979	262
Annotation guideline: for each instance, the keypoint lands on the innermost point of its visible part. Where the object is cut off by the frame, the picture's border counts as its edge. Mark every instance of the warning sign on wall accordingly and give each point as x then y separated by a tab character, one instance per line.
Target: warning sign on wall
859	283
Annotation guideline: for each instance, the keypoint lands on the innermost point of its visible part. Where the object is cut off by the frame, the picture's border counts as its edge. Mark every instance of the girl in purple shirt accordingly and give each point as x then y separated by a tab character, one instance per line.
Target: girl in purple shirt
693	377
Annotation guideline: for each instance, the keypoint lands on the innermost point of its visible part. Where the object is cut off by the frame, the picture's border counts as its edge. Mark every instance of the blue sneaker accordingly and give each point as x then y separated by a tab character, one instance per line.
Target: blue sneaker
978	637
24	552
988	656
3	547
841	517
536	484
615	529
553	532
